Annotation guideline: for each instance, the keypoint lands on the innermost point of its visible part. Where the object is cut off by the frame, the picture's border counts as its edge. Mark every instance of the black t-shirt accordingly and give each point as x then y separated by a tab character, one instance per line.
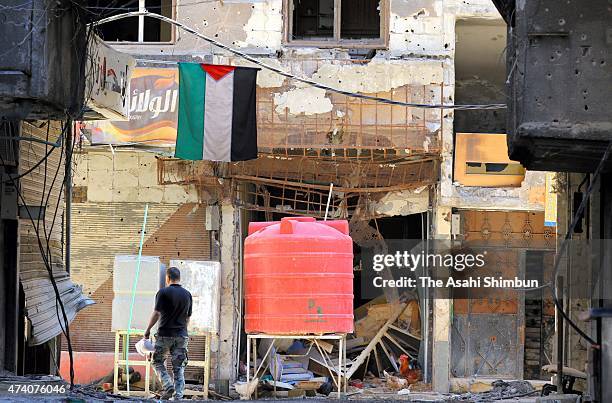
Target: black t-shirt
174	304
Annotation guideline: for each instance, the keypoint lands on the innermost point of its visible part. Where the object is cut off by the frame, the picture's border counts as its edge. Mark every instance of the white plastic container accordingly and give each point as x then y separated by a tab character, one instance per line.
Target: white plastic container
203	280
150	280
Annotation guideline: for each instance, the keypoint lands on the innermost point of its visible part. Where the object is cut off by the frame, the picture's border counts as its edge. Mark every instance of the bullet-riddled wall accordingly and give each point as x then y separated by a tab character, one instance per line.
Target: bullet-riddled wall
415	63
111	189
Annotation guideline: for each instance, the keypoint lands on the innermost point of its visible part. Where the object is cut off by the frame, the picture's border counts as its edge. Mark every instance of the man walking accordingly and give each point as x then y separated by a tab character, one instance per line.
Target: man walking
173	310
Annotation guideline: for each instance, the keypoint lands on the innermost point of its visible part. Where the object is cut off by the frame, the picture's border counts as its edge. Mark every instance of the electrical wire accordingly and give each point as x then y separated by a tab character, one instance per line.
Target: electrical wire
45	253
181	4
32	168
292	76
65	328
46	261
577	217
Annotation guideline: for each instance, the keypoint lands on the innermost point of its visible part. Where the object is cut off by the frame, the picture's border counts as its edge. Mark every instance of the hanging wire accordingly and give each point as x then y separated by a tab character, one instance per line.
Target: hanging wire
292	76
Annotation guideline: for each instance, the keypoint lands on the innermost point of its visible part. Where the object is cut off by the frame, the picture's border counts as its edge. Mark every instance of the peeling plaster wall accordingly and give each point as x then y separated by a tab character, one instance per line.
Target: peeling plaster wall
230	300
402	203
530	196
307	100
421	40
483	9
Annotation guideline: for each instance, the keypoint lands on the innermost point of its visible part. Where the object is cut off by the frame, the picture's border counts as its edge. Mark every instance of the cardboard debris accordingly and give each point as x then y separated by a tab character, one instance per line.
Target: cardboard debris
367	327
355	343
290	393
278	385
325	346
309	385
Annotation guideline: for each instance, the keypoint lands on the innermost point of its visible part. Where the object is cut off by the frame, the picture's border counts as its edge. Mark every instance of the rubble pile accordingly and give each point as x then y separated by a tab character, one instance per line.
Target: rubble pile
381	356
501	390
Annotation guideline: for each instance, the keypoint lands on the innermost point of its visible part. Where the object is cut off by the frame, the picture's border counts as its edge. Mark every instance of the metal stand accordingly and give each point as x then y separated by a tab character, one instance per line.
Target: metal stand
121	349
205	365
339	379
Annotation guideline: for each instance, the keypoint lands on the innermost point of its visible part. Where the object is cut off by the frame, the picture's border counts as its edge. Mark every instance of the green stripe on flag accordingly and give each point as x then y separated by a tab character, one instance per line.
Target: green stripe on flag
192	90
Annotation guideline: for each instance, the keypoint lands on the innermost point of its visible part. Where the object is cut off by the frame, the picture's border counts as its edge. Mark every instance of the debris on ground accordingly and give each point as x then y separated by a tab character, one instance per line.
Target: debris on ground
501	390
395	382
59	390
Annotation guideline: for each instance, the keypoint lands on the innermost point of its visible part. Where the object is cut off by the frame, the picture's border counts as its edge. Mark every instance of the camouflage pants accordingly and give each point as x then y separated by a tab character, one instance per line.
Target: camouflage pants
177	347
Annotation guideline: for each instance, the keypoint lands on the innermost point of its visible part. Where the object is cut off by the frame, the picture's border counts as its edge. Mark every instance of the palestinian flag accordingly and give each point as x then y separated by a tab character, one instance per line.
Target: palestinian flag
217	119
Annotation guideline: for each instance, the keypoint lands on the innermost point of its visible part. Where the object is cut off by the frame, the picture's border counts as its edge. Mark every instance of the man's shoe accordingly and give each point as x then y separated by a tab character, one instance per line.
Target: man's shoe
167	394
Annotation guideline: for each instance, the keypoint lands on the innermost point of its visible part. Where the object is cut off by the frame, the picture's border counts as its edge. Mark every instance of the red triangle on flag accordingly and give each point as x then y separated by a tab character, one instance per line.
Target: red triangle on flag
217	71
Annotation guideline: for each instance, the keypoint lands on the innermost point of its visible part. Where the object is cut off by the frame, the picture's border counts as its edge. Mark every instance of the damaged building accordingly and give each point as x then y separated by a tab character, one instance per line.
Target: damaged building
398	173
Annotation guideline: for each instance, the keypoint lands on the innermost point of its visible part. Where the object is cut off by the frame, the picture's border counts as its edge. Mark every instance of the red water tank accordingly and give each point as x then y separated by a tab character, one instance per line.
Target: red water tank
298	277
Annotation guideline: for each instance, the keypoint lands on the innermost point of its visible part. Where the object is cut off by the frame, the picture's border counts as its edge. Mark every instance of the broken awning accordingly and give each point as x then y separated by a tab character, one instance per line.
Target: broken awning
42	309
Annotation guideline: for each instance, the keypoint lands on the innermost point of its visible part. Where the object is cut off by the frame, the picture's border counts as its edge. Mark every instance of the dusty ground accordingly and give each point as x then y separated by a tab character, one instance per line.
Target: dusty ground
54	389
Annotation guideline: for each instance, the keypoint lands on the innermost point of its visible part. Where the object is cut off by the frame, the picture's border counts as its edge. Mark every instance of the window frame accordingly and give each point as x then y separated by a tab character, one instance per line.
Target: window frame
141	18
337	41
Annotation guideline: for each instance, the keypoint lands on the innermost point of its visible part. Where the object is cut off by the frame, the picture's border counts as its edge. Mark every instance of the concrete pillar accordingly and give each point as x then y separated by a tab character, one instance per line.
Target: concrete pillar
229	325
442	307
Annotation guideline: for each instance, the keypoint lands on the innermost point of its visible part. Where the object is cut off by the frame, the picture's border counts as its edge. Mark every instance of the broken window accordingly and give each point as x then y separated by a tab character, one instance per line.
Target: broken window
134	29
354	23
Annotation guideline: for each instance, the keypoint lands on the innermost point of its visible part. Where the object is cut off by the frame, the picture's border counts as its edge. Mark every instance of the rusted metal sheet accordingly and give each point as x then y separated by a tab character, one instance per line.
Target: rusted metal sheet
489	329
300	185
348	122
347	176
486	345
171	171
485	149
40	189
517	229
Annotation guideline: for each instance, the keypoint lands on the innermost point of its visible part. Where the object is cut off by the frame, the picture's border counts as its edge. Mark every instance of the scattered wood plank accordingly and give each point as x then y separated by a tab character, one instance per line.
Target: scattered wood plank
377	358
325	345
389	356
372	344
356	342
402	349
308	385
406	332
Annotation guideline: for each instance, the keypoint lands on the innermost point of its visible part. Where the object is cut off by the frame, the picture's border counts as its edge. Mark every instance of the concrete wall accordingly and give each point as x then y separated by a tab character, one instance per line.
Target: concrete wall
111	189
126	176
